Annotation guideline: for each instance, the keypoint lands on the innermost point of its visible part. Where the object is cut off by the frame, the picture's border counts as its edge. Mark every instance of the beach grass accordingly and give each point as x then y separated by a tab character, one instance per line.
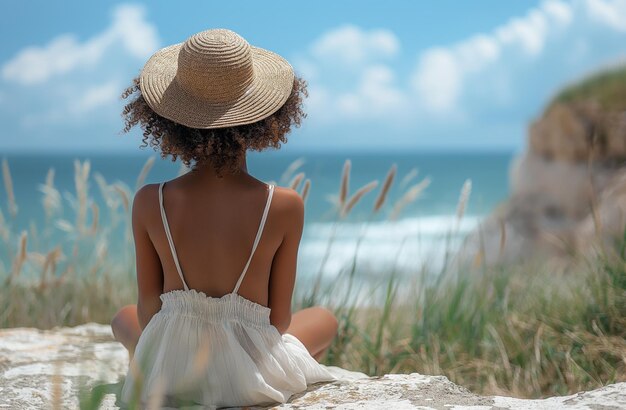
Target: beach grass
521	330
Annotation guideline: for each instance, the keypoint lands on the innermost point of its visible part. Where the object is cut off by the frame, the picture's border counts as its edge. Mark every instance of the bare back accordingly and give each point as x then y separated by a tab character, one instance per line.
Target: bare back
213	225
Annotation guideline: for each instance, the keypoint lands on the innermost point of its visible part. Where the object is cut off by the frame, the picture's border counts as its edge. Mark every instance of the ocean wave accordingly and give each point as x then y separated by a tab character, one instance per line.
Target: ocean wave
406	244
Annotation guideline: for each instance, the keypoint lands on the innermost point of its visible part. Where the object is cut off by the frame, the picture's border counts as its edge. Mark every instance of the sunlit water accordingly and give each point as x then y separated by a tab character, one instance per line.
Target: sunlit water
417	237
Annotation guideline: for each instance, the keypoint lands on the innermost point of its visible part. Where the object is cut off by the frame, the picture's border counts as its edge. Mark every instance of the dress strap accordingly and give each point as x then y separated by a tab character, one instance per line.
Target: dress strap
257	238
169	236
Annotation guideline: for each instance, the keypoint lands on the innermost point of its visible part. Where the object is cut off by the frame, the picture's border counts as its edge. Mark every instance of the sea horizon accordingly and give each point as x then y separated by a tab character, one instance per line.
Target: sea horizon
417	233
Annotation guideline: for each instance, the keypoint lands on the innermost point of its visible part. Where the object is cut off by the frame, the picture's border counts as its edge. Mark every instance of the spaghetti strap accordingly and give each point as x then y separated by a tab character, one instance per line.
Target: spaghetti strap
257	238
255	363
169	236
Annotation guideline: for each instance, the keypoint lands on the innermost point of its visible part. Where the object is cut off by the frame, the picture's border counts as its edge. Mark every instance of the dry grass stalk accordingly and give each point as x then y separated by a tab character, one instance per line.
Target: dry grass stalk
537	344
8	186
409	177
380	200
81	177
345	183
105	190
478	258
4	231
295	182
37	258
409	196
503	355
492	369
357	196
50	264
64	225
33	232
123	195
463	199
305	190
50	177
69	271
20	258
51	196
293	167
502	236
141	179
94	222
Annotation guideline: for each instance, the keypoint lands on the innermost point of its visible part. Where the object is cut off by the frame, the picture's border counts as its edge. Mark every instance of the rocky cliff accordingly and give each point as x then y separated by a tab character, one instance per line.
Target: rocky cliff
568	188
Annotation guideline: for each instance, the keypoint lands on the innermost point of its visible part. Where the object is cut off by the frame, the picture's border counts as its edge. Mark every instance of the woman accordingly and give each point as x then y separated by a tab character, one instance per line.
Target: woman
216	248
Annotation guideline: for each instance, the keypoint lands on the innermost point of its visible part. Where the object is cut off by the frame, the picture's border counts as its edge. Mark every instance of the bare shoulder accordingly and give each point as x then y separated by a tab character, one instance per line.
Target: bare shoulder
145	202
288	213
286	201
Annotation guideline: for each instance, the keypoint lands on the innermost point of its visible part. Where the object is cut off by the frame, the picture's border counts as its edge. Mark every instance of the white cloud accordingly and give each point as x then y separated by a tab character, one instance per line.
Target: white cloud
440	73
559	11
75	110
377	85
69	83
487	84
528	33
478	51
63	54
374	96
130	27
352	45
305	68
97	96
438	79
361	86
609	12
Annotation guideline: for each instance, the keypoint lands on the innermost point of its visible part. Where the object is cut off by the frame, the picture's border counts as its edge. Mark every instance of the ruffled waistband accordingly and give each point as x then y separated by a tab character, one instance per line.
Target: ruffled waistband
231	306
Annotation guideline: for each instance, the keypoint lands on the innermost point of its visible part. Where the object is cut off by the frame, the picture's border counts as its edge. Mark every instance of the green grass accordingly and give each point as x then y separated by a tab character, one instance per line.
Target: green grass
517	330
512	331
607	87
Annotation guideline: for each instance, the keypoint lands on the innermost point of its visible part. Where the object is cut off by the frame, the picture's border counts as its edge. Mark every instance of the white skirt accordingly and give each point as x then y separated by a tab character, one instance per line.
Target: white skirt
219	352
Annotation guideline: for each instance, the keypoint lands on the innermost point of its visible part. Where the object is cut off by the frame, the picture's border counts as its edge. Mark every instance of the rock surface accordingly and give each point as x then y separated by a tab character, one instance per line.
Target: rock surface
40	368
577	131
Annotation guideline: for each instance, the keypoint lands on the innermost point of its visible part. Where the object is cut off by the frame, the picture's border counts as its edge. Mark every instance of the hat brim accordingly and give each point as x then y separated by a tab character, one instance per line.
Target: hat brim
269	90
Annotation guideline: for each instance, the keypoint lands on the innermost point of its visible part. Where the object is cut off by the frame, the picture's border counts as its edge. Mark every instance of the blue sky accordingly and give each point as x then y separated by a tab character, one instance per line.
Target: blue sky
401	75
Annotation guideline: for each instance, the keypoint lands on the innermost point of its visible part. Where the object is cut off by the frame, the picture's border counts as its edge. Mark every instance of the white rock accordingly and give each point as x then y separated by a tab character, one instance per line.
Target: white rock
87	354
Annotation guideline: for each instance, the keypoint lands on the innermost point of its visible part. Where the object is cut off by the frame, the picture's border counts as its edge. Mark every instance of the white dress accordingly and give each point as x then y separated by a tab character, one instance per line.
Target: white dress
214	352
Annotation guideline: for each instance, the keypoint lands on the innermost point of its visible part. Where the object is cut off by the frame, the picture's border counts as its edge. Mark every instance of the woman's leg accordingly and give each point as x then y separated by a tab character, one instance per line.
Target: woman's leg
126	329
315	327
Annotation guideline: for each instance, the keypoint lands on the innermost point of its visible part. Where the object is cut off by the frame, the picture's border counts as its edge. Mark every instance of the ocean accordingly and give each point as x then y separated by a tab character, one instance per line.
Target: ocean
416	237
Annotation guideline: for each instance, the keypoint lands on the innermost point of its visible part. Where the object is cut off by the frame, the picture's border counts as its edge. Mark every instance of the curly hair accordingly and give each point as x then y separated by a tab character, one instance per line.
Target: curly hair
220	147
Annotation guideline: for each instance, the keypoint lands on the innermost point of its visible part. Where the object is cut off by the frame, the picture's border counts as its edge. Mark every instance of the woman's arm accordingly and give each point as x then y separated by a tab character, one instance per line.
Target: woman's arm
283	273
149	269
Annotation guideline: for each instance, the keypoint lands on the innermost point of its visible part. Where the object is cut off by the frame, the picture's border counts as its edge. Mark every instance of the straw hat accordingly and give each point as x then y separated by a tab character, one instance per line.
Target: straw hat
215	79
